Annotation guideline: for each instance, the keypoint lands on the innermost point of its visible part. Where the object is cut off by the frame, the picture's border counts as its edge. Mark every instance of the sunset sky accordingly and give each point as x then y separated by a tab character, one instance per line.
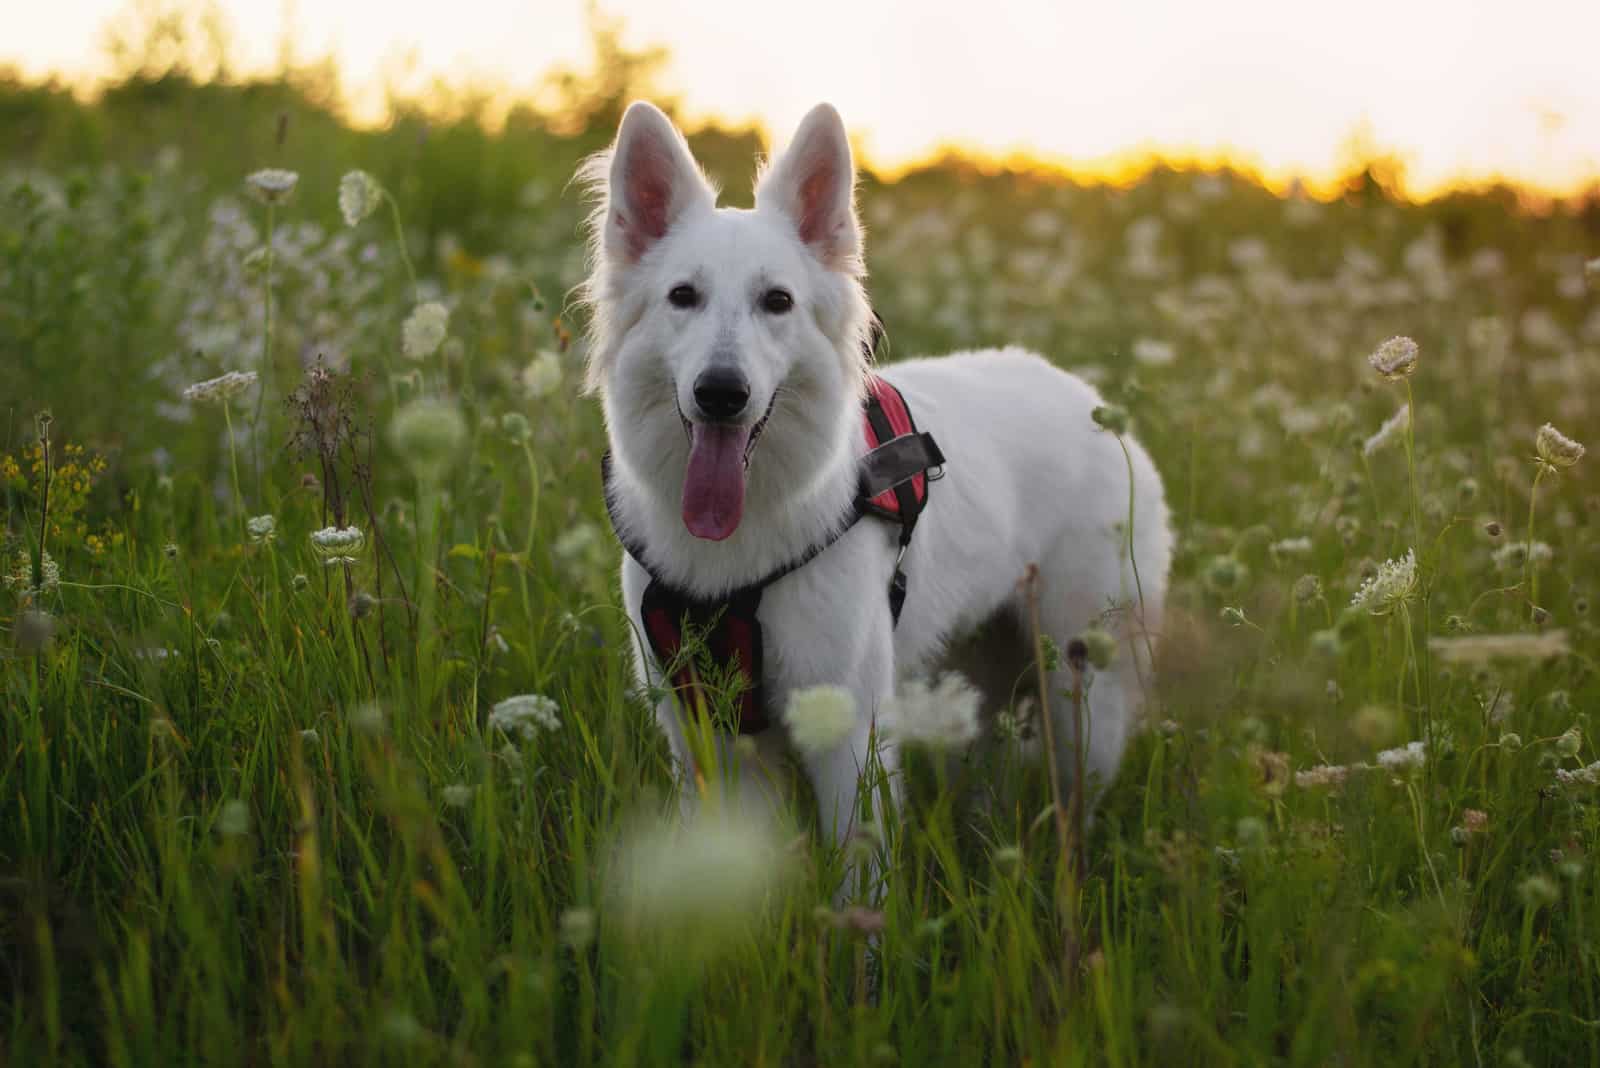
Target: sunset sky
1463	89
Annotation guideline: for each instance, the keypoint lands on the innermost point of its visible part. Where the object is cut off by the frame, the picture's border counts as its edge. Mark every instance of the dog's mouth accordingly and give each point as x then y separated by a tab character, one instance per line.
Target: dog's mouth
714	480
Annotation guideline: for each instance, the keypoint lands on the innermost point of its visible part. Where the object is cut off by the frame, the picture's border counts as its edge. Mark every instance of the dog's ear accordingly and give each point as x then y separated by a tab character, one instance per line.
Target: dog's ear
813	183
652	181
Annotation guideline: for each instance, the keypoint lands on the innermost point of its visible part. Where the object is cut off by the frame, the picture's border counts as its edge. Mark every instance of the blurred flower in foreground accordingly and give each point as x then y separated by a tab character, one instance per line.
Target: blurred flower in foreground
701	882
525	715
220	389
941	716
424	330
541	377
1395	359
272	185
1392	586
428	433
1555	449
820	717
1389	432
1481	648
234	819
1408	756
359	196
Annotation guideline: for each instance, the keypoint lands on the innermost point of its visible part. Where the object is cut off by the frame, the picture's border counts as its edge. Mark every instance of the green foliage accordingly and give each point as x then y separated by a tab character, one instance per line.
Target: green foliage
257	801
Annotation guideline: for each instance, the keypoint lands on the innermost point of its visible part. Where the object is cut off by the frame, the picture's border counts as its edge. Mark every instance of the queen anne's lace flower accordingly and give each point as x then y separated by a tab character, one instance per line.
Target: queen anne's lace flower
262	529
941	716
221	389
525	715
1408	756
424	330
273	185
1555	448
338	545
1482	648
1395	358
820	717
359	196
1392	586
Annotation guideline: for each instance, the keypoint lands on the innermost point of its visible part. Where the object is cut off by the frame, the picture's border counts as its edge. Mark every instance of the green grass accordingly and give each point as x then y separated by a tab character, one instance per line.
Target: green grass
251	806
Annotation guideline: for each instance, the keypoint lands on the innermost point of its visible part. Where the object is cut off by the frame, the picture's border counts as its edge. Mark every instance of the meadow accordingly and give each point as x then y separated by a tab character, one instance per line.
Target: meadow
320	741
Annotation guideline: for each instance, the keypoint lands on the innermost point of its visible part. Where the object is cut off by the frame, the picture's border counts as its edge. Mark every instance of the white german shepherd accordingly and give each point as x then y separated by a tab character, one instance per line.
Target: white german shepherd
727	346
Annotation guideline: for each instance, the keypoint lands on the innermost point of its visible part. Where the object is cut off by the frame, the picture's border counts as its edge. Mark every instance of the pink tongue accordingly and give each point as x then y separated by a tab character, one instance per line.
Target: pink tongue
713	486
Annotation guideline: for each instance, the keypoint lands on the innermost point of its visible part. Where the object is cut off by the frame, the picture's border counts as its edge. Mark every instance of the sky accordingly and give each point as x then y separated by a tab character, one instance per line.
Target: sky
1464	90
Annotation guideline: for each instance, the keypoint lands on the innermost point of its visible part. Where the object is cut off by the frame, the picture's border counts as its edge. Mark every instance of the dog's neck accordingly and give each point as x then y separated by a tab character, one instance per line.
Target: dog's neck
800	489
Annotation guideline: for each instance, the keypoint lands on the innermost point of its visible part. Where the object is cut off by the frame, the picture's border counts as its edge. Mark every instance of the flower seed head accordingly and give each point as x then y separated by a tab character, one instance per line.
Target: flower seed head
359	195
424	330
272	185
1555	449
1395	359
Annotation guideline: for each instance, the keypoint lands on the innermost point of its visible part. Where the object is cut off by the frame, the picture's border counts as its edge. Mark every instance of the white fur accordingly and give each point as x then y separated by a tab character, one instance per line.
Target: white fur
1030	479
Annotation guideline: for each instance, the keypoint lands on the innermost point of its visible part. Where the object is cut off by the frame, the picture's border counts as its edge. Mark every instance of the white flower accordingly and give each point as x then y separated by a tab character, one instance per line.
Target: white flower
1411	755
338	545
700	883
1585	776
424	330
1324	775
942	716
234	819
262	528
541	377
428	433
359	196
367	717
525	715
1391	429
820	717
1555	448
20	577
1300	546
1395	358
1480	648
1514	554
273	185
457	795
1153	353
1392	586
220	389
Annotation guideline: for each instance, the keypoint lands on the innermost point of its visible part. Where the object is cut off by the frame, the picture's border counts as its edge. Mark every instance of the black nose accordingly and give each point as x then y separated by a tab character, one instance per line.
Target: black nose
721	393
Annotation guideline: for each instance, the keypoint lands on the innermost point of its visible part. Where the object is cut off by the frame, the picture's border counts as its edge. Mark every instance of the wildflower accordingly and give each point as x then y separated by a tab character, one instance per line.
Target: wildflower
274	185
424	330
514	425
299	582
457	795
1224	574
1100	647
1153	353
1111	417
1250	831
310	736
697	882
367	717
20	578
1570	742
1392	586
941	716
1300	546
234	819
1386	434
427	434
1326	643
577	928
1307	589
1537	892
1555	449
338	545
263	529
525	715
1406	757
221	389
541	377
1395	359
1480	648
1374	724
1511	742
1273	767
359	196
820	717
1330	776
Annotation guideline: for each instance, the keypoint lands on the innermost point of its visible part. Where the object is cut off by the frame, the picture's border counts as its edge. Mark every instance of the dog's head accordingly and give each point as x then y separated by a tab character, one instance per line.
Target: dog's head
715	329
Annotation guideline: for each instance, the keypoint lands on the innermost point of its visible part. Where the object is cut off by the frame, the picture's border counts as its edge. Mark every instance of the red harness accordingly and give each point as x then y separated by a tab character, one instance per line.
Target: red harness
894	477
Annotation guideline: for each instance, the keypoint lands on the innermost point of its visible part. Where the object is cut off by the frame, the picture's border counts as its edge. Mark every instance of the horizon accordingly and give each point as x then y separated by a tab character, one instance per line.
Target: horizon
1466	109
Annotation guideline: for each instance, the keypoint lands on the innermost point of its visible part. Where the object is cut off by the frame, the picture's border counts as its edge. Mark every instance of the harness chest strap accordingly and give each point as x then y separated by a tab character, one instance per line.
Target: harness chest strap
894	477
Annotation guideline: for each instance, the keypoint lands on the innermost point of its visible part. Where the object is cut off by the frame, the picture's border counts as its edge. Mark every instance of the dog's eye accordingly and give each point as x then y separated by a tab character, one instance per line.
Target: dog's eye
684	296
776	301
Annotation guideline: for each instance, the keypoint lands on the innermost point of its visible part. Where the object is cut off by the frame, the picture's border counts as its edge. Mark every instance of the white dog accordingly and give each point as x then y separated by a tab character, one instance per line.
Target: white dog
728	348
